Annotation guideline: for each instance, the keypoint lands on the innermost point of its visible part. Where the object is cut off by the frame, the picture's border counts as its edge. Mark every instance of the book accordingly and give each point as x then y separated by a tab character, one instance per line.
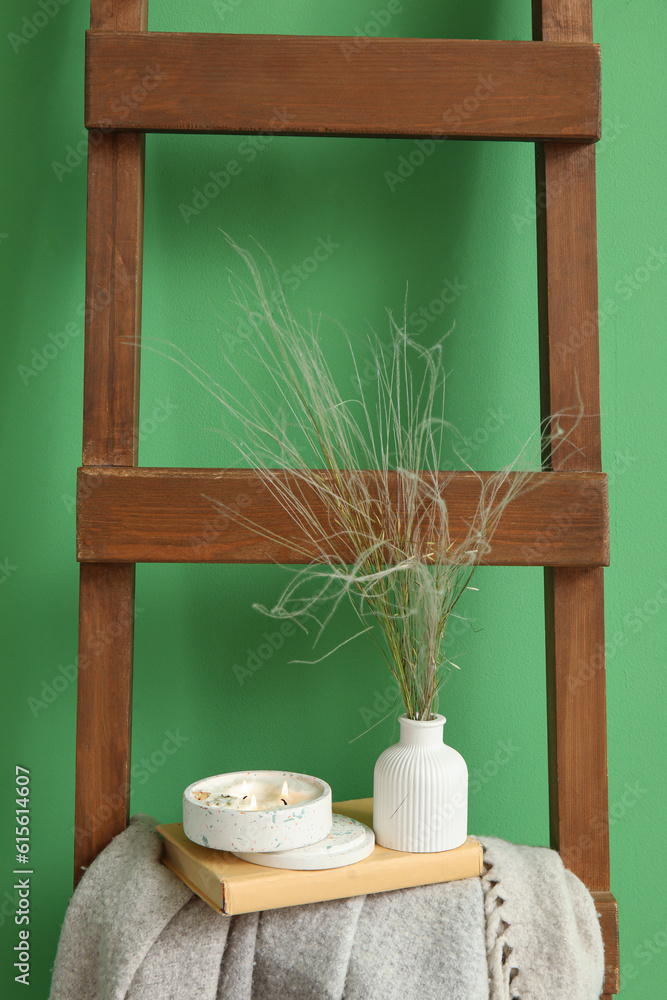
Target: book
233	886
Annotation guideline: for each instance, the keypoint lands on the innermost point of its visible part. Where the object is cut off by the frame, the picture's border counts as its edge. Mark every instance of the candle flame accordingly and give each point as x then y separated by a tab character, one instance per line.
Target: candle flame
244	788
253	802
284	791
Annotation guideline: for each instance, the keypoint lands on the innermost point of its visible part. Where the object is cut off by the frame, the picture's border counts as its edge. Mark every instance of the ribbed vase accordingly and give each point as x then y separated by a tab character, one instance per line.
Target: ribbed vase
420	791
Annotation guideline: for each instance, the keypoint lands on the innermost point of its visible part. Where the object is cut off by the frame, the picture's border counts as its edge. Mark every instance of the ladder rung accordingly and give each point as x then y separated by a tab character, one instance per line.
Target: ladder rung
308	85
167	515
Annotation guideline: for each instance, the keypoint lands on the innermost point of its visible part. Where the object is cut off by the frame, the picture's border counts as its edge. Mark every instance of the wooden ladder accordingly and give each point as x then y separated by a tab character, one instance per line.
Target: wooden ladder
545	91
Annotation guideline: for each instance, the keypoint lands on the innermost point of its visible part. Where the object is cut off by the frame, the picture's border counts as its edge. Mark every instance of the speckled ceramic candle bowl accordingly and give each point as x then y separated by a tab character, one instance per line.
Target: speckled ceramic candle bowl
217	814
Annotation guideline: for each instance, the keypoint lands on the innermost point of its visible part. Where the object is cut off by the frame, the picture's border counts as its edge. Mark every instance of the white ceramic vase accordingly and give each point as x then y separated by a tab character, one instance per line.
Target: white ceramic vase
420	791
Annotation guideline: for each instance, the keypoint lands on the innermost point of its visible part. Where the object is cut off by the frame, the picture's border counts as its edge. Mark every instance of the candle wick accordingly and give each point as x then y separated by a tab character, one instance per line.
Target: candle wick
245	797
284	801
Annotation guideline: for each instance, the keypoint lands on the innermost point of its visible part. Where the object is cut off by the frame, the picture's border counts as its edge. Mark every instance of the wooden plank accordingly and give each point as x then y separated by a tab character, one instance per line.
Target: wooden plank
563	20
111	402
607	909
113	299
104	708
308	85
169	515
567	244
118	15
576	707
574	598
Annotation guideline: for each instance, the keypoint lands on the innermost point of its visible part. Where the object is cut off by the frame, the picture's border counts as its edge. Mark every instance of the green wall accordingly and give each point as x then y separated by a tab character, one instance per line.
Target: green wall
463	216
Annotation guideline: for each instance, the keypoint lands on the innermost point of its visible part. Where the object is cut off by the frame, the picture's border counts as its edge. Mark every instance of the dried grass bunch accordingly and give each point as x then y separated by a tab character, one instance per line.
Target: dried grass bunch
370	461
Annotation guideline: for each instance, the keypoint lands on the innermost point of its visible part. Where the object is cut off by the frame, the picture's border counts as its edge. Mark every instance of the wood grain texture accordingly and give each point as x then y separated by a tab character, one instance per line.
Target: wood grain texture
104	709
576	706
567	249
294	85
607	909
113	299
119	15
567	258
574	598
563	20
110	426
169	515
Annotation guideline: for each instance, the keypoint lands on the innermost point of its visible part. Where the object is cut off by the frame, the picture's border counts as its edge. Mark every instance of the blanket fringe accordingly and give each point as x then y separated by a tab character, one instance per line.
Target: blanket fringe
502	970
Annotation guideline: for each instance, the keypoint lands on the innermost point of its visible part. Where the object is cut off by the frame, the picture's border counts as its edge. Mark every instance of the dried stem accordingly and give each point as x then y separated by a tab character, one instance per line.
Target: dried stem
405	573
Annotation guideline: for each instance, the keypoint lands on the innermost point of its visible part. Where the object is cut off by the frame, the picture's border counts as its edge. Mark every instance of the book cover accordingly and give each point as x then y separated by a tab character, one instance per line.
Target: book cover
233	886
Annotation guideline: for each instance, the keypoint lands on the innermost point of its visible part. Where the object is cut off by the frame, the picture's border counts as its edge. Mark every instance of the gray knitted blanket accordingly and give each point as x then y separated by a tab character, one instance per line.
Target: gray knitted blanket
527	929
